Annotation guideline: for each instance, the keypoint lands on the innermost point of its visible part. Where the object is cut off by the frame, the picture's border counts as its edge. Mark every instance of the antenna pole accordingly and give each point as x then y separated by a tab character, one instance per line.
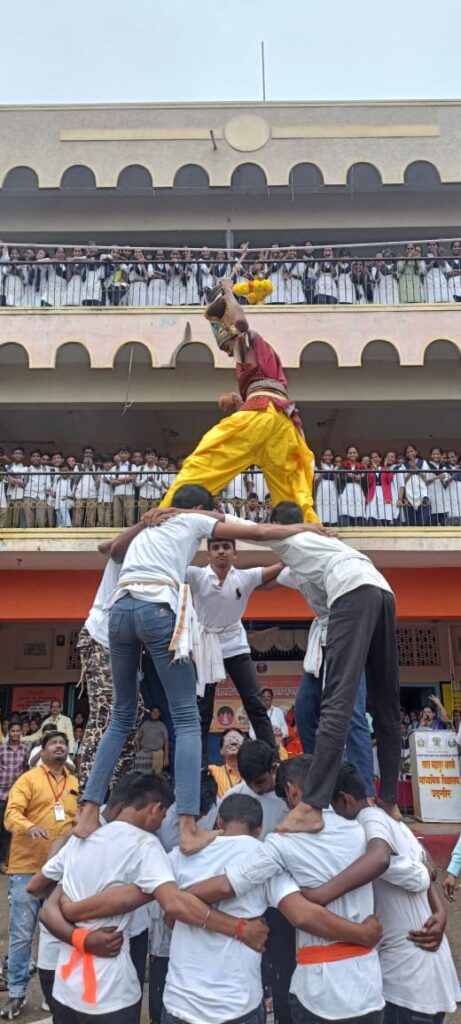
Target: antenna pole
263	71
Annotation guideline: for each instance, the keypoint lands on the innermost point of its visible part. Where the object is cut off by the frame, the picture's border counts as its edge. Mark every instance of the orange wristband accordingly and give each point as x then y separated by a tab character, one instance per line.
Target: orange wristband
78	938
240	928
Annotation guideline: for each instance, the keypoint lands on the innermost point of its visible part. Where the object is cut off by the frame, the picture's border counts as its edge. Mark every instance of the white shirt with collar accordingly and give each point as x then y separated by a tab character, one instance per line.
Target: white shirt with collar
348	988
86	487
149	481
105	490
97	622
277	720
35	483
16	493
220	606
123	469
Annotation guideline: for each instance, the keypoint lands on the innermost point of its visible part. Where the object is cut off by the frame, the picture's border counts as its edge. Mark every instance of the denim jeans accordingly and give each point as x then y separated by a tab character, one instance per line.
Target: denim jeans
134	623
402	1015
358	743
24	910
256	1017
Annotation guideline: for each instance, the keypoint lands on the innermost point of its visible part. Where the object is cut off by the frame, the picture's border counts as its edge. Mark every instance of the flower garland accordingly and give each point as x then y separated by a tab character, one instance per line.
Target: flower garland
255	291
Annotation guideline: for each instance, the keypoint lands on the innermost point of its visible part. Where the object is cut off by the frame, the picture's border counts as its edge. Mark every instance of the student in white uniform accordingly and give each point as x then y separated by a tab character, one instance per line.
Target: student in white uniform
123	851
326	292
15	488
333	980
453	489
85	493
382	508
93	276
220	593
122	478
434	272
157	290
151	607
105	502
384	281
275	274
436	487
212	979
293	275
35	492
149	481
93	647
139	274
420	982
257	764
415	477
361	635
326	490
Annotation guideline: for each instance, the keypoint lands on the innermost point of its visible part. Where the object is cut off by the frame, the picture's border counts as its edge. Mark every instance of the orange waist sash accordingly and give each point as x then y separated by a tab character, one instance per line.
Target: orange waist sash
329	954
89	974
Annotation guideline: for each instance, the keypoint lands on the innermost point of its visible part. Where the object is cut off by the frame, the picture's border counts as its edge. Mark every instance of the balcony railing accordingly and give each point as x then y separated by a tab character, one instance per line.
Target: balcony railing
106	282
392	497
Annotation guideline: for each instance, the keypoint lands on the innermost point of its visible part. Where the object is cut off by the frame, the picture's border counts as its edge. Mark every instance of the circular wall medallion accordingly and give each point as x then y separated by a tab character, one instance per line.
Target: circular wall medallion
247	132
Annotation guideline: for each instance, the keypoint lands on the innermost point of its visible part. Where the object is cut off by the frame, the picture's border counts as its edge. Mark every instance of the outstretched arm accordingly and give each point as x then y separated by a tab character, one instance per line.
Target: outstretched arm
119	900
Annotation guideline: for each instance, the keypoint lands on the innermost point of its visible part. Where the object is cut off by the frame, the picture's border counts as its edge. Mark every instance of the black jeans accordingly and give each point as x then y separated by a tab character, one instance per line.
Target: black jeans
402	1015
243	674
66	1015
281	961
361	636
5	836
138	953
157	978
301	1015
46	985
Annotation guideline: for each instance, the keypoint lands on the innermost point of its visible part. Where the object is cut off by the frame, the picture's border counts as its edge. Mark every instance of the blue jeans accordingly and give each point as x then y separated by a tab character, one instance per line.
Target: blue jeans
358	743
132	623
256	1017
24	910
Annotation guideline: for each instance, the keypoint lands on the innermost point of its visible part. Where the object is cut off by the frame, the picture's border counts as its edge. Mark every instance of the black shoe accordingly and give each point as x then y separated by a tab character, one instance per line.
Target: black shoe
13	1007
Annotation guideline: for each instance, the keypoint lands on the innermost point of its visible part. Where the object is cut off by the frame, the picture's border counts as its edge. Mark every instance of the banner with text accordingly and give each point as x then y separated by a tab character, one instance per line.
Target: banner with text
228	708
436	777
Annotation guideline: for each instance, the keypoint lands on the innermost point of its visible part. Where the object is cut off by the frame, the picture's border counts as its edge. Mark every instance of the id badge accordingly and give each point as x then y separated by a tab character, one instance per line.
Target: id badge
59	812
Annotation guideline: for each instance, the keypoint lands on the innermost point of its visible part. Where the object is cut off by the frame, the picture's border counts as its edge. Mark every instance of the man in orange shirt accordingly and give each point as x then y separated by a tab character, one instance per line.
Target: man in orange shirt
42	806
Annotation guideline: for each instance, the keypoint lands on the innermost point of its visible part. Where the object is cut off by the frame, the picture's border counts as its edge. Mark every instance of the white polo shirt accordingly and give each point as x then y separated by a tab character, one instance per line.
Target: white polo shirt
211	978
412	977
332	566
97	622
157	559
348	988
117	854
220	606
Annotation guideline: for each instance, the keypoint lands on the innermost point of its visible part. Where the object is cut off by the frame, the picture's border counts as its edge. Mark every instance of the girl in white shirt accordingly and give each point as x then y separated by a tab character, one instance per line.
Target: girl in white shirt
414	490
434	269
157	290
384	279
207	280
436	487
14	279
293	274
453	489
351	496
139	274
55	288
274	274
326	490
325	271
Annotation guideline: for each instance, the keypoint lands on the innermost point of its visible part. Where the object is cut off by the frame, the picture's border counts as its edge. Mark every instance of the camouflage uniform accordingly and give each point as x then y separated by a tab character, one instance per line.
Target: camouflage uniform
96	671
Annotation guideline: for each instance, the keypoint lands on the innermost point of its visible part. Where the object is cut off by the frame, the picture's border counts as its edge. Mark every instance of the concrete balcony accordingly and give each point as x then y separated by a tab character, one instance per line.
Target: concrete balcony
346	330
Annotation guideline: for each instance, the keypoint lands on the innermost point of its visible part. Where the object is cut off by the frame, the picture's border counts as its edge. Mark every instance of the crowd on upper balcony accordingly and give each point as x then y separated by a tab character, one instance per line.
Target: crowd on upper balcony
130	276
395	489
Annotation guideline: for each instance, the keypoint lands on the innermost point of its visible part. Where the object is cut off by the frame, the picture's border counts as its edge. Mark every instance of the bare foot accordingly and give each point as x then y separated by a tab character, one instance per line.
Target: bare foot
303	818
391	809
87	822
192	839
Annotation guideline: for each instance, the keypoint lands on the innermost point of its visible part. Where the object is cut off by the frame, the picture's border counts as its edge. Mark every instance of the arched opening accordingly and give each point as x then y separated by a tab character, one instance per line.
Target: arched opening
191	176
72	352
194	352
318	352
363	177
305	176
380	352
12	354
78	177
441	350
21	177
134	177
249	178
134	353
422	174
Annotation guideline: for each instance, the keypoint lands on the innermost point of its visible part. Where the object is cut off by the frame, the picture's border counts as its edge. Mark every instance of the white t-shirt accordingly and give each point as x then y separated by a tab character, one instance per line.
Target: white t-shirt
160	554
48	949
221	606
117	854
345	988
273	807
211	978
412	977
326	561
168	833
277	720
97	622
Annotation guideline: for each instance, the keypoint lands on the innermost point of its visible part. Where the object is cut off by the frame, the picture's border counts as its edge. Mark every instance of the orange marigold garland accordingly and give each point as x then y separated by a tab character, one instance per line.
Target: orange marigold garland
255	291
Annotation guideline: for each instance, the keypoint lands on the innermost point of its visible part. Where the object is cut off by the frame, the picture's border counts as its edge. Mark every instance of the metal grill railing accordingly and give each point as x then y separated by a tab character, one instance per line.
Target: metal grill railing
391	497
150	281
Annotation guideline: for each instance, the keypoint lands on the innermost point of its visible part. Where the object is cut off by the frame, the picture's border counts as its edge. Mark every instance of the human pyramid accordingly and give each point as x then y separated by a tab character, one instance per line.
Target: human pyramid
325	840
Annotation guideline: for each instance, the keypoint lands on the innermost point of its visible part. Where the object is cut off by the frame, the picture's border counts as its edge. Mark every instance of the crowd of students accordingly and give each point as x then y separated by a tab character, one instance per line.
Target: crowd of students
134	276
374	489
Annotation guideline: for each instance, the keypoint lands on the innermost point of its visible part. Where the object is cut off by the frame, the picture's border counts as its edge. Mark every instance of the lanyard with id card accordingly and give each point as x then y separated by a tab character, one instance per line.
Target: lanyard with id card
59	812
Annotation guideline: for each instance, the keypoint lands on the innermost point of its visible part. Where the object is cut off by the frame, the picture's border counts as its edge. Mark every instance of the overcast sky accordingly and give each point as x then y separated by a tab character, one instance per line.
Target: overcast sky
89	51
